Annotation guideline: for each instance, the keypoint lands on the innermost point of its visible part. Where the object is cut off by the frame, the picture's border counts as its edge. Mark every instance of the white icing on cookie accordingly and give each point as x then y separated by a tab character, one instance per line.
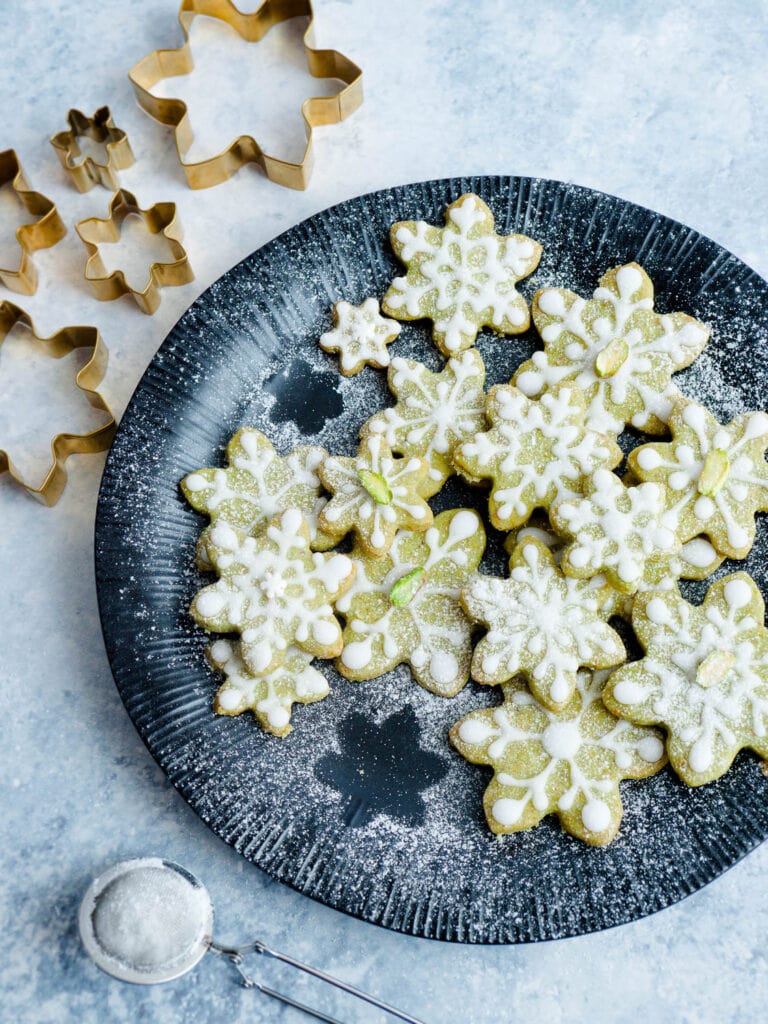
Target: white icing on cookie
615	529
704	676
541	623
360	336
615	348
434	412
374	494
429	631
274	591
269	697
536	452
568	763
717	476
462	276
259	484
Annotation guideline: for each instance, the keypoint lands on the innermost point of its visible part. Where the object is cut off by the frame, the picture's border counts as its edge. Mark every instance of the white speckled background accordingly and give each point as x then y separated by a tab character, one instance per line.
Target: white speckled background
663	104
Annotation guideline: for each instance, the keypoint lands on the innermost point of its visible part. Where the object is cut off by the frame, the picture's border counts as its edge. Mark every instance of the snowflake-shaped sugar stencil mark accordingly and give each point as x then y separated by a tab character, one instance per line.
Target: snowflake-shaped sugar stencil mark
274	591
303	395
360	335
434	412
704	676
616	348
716	476
381	769
535	453
374	494
567	763
542	624
269	697
615	530
255	486
404	607
462	276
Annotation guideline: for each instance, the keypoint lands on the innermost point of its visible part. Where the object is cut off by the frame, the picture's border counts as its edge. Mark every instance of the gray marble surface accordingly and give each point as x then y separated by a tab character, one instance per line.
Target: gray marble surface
661	103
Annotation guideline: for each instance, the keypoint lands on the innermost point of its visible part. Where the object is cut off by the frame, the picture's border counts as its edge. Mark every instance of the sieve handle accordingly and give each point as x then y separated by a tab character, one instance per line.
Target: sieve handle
235	957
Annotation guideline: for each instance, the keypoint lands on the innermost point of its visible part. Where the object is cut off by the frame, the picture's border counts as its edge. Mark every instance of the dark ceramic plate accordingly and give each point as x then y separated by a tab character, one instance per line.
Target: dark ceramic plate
365	807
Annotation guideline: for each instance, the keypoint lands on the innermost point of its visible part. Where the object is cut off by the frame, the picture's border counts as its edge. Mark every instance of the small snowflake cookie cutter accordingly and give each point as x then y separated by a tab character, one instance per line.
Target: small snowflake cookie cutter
42	233
158	219
87	380
85	171
316	111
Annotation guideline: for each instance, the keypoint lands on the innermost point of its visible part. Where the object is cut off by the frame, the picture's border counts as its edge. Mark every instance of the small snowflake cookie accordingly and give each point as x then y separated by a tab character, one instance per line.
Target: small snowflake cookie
405	607
374	494
567	763
462	276
716	476
360	335
619	351
540	623
273	591
434	412
269	697
535	452
614	530
704	676
257	485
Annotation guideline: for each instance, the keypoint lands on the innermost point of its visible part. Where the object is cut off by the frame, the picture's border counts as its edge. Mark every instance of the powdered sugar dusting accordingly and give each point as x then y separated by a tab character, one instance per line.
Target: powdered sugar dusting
433	869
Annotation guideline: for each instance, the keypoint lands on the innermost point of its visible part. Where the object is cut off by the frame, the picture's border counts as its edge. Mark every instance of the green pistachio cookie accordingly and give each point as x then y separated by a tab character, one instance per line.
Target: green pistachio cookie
535	453
567	763
462	276
704	676
540	623
274	591
404	607
615	347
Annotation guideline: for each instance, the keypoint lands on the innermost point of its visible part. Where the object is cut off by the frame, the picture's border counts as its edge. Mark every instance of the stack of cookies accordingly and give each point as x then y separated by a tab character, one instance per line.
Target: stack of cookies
586	544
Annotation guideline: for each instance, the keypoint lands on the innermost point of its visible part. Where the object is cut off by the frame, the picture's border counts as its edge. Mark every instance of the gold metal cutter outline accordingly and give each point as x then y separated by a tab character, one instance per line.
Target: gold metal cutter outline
158	219
40	234
87	380
101	128
317	110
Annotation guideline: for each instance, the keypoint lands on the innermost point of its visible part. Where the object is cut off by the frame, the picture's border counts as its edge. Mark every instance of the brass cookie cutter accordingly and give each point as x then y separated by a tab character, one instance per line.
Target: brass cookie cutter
85	171
317	110
158	219
46	231
87	380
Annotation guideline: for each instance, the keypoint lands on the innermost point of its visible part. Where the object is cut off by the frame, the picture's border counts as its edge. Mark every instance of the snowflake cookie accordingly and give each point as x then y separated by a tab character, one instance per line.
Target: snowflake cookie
540	623
535	452
256	486
567	763
274	591
619	351
704	676
462	276
434	412
716	476
360	335
269	697
696	560
374	494
405	607
614	530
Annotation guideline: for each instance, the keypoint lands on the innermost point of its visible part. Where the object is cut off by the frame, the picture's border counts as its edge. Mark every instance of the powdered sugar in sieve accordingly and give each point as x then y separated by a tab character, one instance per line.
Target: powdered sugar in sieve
149	920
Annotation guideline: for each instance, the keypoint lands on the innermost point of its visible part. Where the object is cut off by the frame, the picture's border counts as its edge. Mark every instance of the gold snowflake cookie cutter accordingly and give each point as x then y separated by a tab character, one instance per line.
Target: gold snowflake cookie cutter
316	110
85	171
42	233
87	380
158	219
